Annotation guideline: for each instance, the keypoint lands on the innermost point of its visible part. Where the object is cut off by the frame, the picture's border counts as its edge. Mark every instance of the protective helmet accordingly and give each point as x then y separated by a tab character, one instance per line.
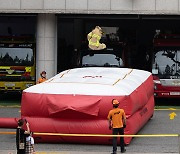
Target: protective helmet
100	29
115	102
43	72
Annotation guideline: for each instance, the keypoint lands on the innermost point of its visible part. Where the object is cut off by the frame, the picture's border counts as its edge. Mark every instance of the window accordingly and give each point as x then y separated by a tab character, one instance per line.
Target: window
16	57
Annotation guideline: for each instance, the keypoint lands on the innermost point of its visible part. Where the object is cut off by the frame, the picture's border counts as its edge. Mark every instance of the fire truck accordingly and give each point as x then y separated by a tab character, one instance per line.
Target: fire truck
109	57
112	56
166	65
17	63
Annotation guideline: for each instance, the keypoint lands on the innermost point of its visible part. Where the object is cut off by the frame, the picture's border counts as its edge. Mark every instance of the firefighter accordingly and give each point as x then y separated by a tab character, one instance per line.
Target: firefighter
94	38
42	78
117	122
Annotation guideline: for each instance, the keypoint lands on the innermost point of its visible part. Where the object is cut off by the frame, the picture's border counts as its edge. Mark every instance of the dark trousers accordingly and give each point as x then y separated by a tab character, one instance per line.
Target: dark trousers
20	151
117	131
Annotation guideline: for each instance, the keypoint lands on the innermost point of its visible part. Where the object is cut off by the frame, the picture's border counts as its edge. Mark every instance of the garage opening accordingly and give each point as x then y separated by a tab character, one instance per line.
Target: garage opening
136	31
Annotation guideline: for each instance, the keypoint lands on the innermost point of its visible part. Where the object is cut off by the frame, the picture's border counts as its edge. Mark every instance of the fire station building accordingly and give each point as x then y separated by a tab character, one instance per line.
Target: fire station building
60	26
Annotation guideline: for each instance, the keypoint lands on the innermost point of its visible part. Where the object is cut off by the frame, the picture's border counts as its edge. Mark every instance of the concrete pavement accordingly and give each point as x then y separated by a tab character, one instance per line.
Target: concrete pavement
159	124
73	152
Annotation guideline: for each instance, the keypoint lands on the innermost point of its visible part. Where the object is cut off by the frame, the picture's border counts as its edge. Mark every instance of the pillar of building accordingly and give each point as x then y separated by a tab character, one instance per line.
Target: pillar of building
46	45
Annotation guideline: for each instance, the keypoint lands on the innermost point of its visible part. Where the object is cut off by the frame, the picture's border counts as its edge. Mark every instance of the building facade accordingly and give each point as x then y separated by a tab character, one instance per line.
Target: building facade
47	13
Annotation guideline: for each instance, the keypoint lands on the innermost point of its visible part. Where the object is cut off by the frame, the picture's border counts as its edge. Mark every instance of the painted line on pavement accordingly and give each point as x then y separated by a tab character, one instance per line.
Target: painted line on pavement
10	106
169	109
98	135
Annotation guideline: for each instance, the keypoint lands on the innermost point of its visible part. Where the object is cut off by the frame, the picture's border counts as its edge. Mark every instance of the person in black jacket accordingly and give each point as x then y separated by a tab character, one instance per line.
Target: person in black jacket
21	136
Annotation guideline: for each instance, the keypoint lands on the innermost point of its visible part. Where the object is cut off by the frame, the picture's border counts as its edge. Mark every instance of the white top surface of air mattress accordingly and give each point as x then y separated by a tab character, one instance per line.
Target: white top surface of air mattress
93	81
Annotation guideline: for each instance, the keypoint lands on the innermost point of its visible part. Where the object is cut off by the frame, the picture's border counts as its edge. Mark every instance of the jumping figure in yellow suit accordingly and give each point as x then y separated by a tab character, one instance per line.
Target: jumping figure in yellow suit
94	38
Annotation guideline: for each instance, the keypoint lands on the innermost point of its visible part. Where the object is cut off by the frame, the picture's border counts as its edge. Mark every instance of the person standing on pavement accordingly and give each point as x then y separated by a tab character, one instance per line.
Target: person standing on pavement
117	122
21	136
42	78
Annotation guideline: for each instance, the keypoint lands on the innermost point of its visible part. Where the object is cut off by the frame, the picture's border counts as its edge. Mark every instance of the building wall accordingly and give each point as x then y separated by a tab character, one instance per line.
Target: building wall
91	6
46	20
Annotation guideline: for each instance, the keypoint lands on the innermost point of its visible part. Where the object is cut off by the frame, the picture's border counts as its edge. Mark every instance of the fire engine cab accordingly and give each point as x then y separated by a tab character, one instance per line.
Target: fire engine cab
166	65
17	63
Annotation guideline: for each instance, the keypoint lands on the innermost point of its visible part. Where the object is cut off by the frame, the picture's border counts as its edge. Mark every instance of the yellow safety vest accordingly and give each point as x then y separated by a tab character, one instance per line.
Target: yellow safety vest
91	35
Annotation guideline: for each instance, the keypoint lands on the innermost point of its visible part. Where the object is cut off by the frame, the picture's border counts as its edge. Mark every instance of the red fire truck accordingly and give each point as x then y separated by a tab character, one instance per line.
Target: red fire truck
166	65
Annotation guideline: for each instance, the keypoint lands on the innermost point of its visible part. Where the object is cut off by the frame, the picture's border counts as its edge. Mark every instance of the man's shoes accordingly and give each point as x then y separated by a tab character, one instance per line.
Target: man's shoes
113	153
123	151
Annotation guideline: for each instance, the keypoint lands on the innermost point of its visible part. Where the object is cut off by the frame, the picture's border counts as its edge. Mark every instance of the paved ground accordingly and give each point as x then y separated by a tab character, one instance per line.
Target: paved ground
159	124
73	152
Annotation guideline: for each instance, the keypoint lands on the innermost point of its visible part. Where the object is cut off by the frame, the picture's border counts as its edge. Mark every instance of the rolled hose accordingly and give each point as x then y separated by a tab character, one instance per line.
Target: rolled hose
8	122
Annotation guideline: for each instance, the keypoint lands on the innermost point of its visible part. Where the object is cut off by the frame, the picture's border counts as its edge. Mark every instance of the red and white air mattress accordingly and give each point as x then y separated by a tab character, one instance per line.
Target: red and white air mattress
77	101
